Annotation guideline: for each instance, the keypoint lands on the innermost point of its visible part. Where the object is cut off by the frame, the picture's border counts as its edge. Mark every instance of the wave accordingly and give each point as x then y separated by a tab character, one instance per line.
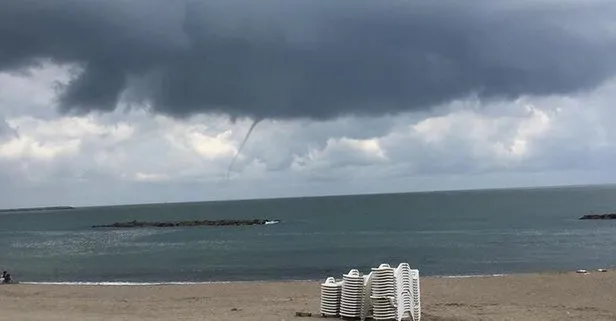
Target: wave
126	283
86	283
468	276
122	283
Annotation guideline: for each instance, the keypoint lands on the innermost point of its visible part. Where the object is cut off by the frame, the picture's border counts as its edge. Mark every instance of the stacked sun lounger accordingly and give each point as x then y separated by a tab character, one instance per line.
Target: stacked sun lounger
330	297
385	293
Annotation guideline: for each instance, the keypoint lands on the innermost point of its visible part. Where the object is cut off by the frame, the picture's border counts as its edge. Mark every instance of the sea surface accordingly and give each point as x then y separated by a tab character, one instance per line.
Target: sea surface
440	233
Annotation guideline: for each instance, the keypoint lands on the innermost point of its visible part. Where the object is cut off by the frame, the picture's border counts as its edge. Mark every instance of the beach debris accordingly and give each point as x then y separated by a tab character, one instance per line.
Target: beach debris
303	314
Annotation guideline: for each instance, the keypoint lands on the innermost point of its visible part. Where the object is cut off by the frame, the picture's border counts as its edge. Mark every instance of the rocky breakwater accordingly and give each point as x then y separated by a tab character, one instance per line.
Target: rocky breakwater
138	224
609	216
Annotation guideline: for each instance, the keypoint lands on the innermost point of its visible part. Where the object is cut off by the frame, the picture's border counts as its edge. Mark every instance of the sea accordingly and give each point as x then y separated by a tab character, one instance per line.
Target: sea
456	233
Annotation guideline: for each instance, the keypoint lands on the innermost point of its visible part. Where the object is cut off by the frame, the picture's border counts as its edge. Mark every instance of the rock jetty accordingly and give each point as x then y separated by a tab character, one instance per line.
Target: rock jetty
137	224
610	216
37	209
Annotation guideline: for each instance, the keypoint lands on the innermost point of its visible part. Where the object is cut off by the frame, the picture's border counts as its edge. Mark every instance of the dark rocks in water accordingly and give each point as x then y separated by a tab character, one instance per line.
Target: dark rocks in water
37	209
610	216
136	224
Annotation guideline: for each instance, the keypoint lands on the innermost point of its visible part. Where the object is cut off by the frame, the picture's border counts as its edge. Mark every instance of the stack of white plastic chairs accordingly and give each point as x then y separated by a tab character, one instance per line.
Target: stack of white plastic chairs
366	306
416	313
352	294
330	297
384	294
408	296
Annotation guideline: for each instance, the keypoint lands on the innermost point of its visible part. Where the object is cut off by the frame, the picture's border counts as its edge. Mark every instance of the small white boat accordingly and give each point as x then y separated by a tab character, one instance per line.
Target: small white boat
272	222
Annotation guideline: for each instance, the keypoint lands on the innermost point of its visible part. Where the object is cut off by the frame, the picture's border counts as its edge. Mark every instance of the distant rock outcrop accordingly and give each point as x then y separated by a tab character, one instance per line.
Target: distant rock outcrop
37	209
609	216
137	224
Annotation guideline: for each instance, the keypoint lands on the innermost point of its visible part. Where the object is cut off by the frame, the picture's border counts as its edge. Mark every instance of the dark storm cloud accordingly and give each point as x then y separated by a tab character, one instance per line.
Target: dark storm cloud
309	58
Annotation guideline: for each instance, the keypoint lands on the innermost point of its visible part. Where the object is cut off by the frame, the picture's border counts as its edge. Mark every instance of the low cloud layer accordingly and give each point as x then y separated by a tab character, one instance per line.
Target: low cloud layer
136	157
308	59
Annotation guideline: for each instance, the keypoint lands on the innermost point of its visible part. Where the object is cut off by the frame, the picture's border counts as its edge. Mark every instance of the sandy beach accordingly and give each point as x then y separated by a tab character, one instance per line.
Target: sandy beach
546	296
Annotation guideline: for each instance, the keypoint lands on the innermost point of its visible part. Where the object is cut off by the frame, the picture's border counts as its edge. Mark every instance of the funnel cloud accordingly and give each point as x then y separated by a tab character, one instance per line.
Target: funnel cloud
316	59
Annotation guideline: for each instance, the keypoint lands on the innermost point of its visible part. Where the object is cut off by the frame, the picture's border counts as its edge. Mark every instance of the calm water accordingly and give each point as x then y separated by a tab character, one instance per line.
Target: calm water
441	233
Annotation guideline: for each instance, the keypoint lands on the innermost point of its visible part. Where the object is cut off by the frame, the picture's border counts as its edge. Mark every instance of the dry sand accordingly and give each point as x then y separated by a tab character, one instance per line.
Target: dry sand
533	297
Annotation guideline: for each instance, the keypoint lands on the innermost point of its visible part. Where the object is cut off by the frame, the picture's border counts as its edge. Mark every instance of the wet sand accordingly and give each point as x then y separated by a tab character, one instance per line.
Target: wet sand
532	297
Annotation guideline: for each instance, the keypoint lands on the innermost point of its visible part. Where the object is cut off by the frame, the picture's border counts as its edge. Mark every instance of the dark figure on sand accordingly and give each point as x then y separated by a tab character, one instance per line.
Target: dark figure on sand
6	277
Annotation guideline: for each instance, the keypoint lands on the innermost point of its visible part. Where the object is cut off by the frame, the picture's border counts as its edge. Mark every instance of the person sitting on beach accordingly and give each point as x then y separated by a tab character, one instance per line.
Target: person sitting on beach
6	277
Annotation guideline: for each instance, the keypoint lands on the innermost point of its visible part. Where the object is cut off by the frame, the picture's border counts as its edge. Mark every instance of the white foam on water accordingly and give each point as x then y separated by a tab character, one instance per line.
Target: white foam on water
155	283
86	283
121	283
227	282
470	276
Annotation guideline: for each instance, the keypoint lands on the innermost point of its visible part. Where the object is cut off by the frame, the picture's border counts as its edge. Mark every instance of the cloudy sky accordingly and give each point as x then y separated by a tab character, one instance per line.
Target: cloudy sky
114	102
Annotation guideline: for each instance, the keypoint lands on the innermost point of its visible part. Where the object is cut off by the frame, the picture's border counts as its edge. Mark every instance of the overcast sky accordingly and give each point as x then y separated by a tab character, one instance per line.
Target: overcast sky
114	102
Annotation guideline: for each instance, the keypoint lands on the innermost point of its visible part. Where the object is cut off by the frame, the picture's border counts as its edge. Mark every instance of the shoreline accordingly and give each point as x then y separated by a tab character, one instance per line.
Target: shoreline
524	297
190	283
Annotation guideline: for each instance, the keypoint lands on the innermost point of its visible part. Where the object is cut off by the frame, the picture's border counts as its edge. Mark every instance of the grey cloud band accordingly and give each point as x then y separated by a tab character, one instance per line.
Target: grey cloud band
309	58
